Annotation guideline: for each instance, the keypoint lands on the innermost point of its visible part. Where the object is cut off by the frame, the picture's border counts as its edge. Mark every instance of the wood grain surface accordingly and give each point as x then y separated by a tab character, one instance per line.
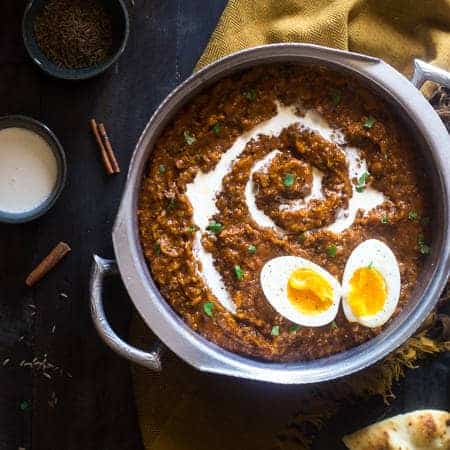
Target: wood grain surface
90	405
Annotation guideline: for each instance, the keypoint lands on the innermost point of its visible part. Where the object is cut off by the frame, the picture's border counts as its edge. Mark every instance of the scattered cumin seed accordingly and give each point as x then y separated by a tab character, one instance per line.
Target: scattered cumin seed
53	401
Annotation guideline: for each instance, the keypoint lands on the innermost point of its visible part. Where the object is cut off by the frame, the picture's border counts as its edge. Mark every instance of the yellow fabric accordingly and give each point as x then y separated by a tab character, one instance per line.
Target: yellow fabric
184	409
395	30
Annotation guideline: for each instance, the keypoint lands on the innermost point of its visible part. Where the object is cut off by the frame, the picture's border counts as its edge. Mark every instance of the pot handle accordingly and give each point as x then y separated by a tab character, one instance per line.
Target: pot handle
103	268
427	72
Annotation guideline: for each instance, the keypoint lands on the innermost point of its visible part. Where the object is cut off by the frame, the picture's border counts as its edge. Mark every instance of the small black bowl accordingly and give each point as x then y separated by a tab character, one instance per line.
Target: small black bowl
121	31
42	130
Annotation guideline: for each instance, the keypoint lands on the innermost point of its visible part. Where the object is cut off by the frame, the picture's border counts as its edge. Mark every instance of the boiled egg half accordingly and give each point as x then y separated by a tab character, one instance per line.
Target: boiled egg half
300	290
371	284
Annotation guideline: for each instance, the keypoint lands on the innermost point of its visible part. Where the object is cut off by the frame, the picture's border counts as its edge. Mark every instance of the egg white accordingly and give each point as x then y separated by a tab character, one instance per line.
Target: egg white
379	256
274	282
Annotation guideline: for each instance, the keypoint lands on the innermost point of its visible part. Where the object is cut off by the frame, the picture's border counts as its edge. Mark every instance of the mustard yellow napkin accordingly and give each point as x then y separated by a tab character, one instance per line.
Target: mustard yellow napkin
395	30
183	409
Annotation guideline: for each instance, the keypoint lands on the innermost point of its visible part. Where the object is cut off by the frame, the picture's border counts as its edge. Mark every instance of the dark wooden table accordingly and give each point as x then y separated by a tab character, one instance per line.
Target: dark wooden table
93	407
88	404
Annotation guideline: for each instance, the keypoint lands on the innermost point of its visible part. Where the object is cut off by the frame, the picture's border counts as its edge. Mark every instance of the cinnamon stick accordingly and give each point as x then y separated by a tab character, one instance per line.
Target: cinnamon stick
103	152
109	149
48	263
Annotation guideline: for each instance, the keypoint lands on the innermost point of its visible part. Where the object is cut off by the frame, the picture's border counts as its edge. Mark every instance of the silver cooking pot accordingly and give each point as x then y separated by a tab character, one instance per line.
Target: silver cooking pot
427	130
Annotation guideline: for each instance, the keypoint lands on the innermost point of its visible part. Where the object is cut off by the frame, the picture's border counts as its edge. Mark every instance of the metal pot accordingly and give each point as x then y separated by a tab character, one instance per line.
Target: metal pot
433	141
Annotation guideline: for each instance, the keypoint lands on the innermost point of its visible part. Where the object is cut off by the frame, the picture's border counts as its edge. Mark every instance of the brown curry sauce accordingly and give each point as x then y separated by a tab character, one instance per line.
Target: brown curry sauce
195	140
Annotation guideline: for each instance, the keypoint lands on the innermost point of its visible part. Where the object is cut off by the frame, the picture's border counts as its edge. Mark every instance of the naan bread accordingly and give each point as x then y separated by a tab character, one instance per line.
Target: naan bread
419	430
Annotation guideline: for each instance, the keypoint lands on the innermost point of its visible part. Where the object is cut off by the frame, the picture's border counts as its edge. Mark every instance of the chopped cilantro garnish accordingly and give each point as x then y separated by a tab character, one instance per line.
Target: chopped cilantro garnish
301	238
192	228
369	122
189	138
208	307
251	249
370	266
336	96
412	215
239	272
384	219
334	325
289	179
162	169
294	328
275	330
424	249
172	204
362	181
24	405
157	248
215	227
216	128
331	250
250	94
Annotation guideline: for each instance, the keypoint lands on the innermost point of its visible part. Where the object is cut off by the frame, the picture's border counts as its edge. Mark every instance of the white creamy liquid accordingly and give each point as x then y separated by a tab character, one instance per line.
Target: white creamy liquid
366	200
204	188
256	214
202	195
28	170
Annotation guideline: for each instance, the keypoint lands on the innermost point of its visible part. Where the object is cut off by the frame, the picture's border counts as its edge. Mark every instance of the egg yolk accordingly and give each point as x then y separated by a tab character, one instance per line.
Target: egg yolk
309	291
367	292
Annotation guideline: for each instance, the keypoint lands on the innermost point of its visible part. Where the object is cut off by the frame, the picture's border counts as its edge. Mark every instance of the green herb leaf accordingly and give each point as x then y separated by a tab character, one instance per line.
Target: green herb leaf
192	229
362	181
208	307
189	138
24	405
275	330
172	204
294	328
370	266
239	272
251	249
157	248
412	215
336	96
289	179
250	94
331	250
334	325
215	227
162	169
302	238
363	178
369	122
424	249
384	219
216	128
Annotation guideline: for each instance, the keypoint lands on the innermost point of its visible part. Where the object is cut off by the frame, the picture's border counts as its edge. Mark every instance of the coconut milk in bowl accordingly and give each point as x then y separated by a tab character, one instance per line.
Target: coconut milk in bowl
32	169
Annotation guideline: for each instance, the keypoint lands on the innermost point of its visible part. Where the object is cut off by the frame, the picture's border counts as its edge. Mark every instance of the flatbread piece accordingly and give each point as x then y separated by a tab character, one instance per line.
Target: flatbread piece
418	430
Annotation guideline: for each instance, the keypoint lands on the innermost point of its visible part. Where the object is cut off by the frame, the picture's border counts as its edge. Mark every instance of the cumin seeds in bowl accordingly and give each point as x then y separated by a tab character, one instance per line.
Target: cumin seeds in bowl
75	39
74	33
